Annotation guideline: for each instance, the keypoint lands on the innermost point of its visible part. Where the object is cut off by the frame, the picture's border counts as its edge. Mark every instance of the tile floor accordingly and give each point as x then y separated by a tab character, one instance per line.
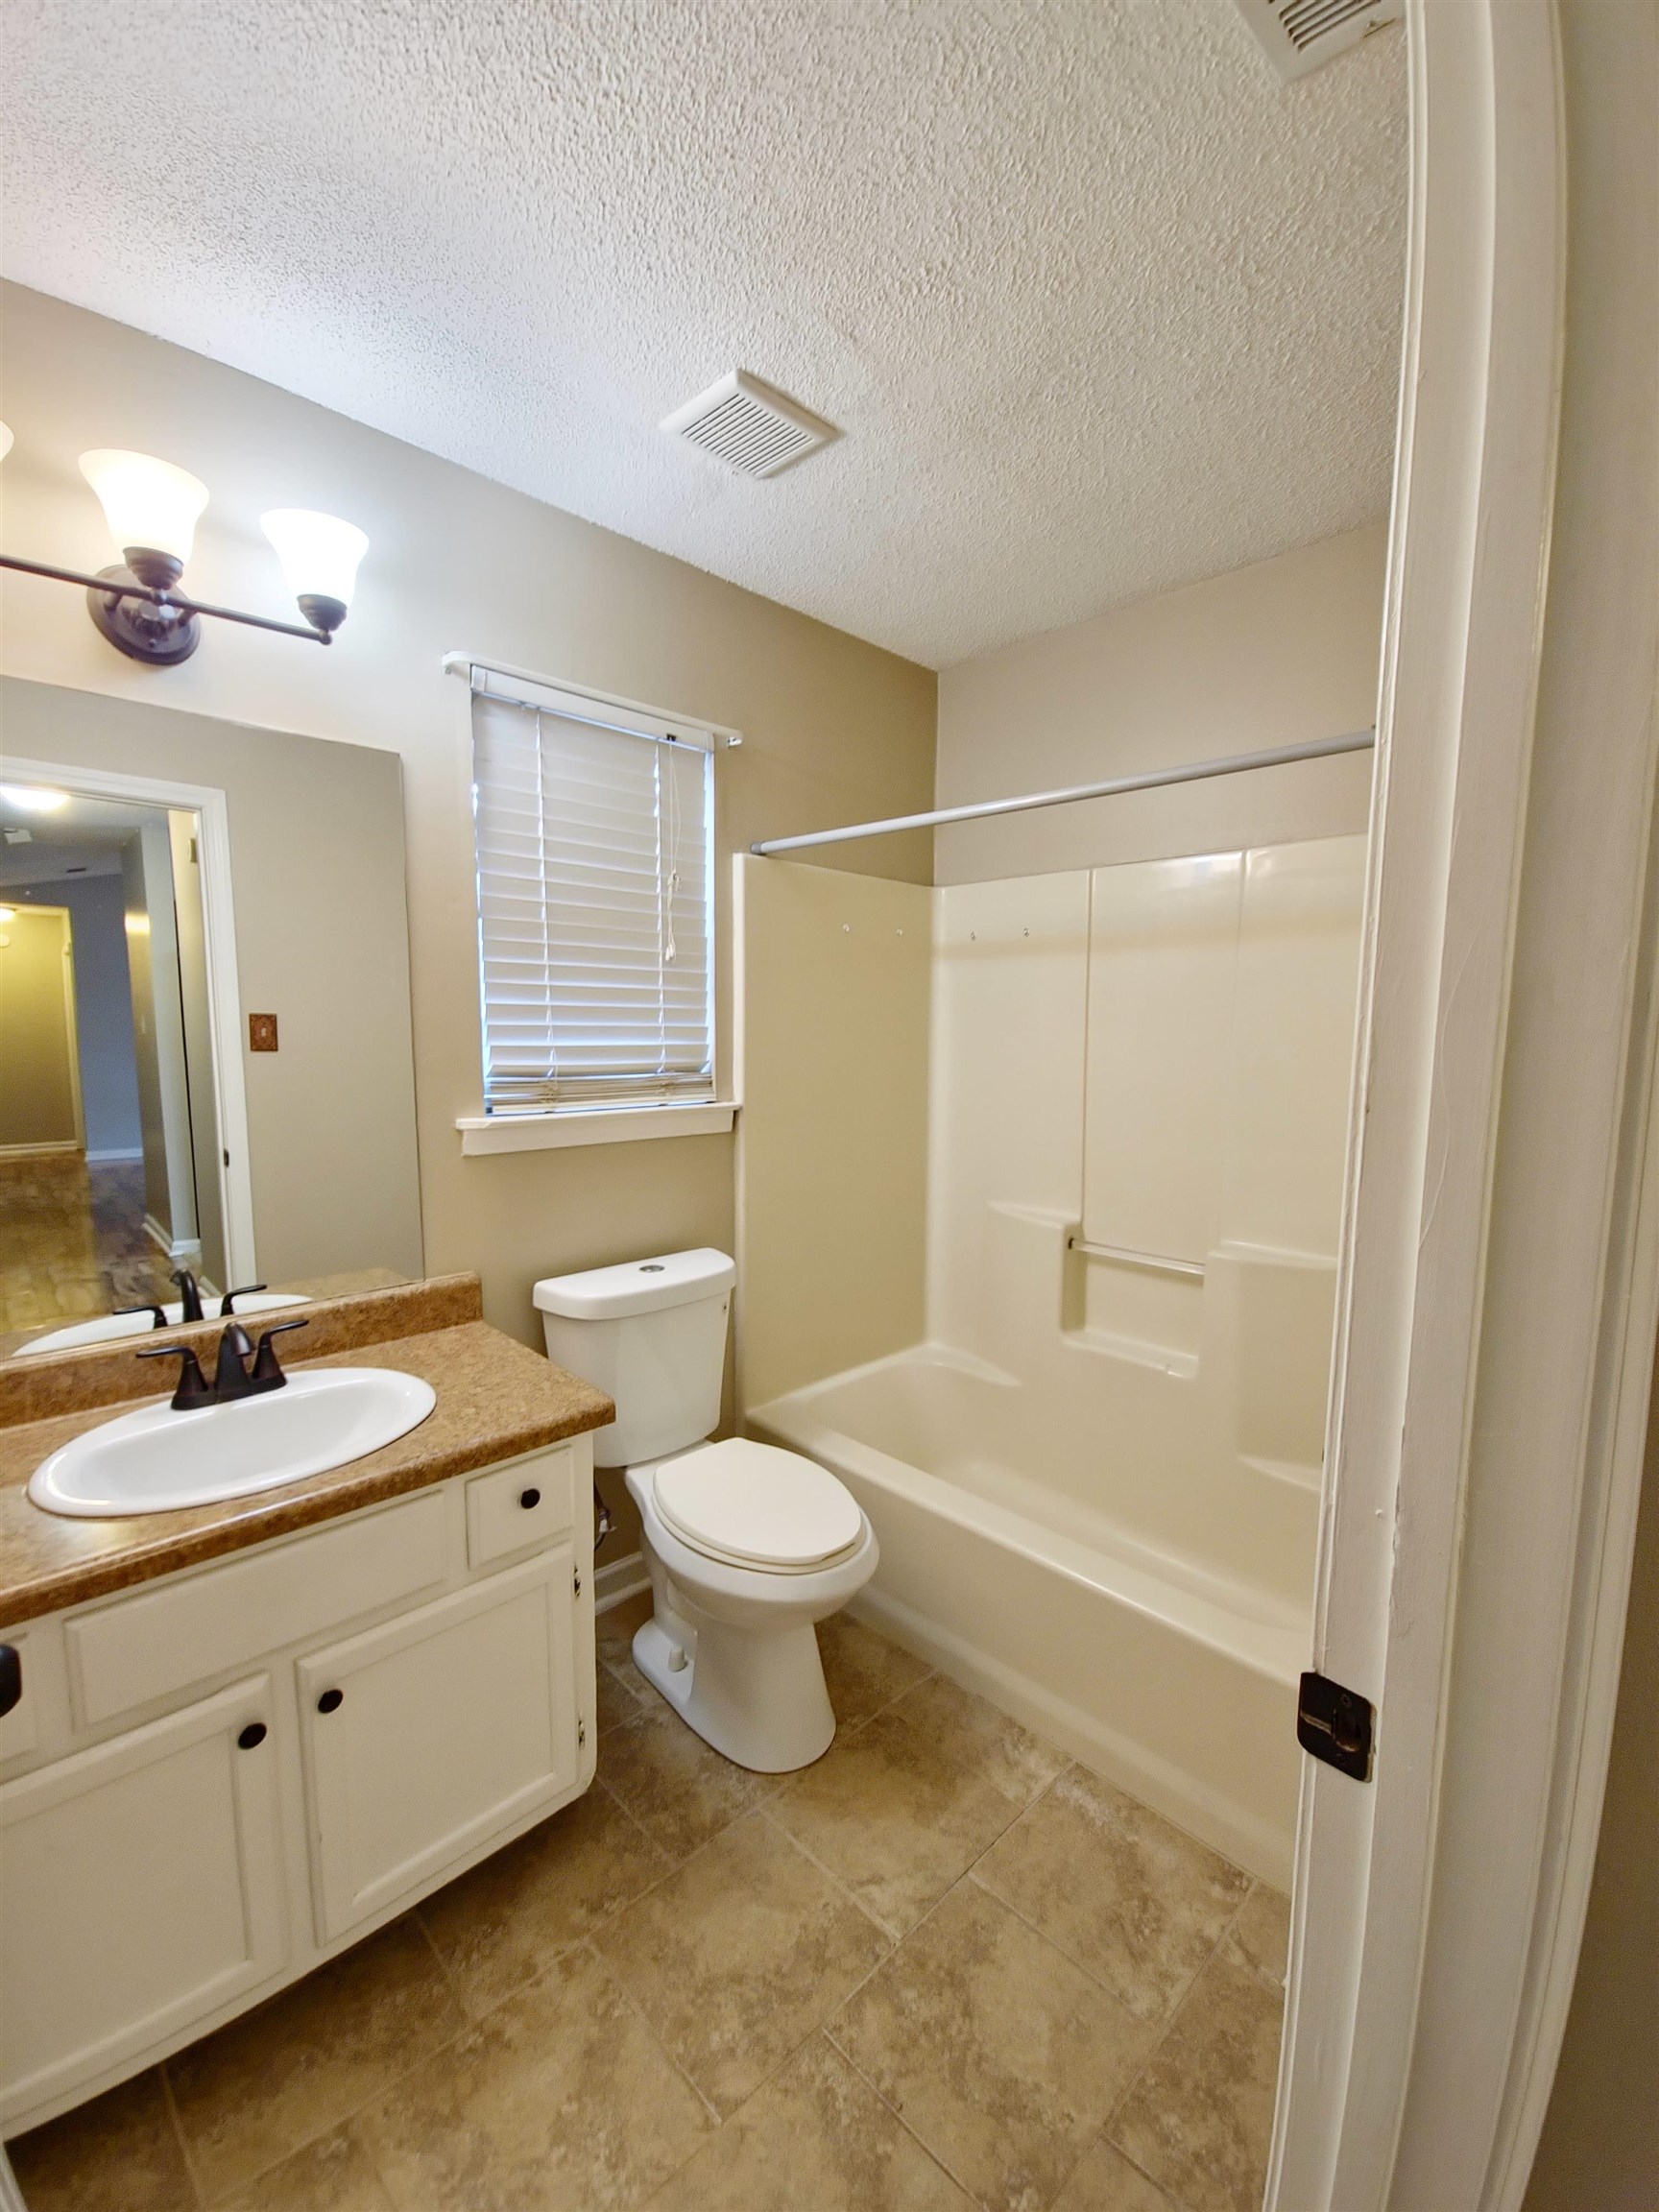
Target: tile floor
944	1967
72	1243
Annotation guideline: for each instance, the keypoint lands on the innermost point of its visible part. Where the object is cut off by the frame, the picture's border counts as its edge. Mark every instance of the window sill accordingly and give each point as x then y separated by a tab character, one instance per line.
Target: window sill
485	1133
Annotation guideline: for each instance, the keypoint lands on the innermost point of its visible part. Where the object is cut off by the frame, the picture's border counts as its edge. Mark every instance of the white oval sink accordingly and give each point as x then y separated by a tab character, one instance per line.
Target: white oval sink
155	1460
112	1328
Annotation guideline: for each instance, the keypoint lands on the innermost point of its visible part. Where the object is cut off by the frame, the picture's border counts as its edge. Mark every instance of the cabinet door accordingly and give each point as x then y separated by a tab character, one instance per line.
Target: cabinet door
428	1736
140	1890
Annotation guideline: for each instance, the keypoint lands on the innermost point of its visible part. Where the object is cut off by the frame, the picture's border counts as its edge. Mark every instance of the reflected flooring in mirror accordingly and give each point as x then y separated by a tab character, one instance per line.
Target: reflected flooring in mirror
942	1967
73	1242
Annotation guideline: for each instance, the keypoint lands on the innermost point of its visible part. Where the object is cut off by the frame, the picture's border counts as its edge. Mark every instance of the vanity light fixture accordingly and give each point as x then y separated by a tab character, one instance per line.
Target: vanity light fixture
152	507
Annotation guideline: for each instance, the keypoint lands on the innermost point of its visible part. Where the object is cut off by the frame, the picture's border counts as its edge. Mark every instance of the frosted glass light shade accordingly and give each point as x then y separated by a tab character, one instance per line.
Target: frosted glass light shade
318	553
4	440
147	503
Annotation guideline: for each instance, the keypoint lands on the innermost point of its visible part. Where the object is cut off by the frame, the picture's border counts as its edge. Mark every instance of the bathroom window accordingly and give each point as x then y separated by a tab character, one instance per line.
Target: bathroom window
594	829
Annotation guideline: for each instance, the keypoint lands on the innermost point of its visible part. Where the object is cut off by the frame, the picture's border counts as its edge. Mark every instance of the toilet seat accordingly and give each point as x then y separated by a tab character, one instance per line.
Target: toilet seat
755	1505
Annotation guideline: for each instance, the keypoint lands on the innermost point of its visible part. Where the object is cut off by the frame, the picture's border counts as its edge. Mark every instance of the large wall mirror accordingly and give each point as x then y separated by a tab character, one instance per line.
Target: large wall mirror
206	1072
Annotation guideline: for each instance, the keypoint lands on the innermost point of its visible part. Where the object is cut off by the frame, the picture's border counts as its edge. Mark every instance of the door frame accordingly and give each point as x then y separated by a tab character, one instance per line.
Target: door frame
224	990
1488	1414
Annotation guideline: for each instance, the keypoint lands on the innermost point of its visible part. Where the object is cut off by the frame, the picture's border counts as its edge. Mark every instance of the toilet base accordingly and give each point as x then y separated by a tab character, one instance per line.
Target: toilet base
756	1696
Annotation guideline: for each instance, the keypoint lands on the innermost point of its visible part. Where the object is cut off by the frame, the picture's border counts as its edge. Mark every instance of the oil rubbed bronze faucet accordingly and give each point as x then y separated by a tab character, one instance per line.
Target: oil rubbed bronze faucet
232	1377
190	1294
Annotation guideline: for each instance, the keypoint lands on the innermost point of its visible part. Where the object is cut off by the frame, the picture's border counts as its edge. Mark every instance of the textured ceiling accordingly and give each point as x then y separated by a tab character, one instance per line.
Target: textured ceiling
1099	304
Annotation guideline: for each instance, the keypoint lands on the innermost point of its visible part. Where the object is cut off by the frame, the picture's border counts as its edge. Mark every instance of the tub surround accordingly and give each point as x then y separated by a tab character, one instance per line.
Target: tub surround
1090	1442
496	1401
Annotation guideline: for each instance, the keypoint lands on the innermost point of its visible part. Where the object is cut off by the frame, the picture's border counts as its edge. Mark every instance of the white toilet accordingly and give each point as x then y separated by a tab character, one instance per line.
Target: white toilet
747	1546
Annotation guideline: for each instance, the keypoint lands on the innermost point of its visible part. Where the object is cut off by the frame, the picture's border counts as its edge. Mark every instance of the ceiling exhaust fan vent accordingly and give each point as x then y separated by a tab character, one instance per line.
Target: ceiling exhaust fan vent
755	430
1299	35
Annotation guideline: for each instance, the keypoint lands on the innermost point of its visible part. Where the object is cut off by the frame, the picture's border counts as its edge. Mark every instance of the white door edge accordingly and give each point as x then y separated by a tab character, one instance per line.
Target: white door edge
1488	1412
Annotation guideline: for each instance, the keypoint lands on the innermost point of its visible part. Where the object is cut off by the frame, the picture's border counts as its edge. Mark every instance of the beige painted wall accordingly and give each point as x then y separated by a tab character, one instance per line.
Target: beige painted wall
1599	2149
834	979
317	867
1270	655
833	729
37	1086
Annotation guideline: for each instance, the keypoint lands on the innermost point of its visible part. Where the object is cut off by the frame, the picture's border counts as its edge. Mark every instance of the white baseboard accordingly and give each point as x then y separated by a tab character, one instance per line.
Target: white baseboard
184	1248
618	1580
104	1159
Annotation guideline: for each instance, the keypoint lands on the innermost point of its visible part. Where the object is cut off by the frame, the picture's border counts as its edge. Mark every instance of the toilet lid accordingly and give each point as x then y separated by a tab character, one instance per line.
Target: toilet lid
757	1507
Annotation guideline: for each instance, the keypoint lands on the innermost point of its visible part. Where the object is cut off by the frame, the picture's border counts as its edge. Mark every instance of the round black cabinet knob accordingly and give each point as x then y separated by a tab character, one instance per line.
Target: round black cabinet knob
330	1700
253	1735
529	1499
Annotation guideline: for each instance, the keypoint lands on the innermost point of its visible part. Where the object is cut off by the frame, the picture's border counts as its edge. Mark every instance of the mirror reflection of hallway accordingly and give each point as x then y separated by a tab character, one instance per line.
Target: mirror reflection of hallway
109	1130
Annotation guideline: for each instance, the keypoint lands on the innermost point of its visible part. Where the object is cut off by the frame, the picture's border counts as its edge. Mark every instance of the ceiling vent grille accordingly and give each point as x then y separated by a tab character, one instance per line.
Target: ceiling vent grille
755	430
1299	35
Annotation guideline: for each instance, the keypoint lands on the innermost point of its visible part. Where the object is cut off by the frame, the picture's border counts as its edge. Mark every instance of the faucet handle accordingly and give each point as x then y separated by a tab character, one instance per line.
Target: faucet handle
159	1312
267	1372
242	1290
194	1389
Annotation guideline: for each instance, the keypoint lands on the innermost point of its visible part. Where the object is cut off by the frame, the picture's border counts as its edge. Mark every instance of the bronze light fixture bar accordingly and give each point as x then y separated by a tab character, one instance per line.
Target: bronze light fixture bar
152	507
103	587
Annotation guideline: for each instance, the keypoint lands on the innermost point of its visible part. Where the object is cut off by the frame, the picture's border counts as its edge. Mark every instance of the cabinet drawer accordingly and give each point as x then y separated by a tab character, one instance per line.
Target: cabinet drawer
429	1735
512	1509
135	1650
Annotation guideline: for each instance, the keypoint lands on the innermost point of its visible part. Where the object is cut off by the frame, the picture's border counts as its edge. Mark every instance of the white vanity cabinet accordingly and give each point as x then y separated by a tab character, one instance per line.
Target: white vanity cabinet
232	1772
426	1736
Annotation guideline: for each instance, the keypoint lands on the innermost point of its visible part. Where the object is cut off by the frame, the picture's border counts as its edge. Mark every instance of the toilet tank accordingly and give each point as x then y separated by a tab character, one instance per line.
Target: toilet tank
651	1334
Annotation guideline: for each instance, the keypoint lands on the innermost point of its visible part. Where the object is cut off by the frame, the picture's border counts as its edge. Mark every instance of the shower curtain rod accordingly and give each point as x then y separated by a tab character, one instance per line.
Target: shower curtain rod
1194	772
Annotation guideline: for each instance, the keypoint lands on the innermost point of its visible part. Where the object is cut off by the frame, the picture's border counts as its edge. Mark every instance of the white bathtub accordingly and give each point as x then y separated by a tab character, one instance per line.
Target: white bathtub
1146	1660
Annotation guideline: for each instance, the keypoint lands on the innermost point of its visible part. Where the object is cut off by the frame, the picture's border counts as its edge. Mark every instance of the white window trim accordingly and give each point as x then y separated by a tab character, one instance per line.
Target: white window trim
483	1134
554	1128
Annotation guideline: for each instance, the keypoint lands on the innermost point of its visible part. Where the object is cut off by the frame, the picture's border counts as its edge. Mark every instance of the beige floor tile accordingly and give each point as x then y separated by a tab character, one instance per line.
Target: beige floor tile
616	1699
996	2049
1106	2183
117	2152
497	1926
1261	1935
818	2137
1119	1887
679	1787
614	1631
892	1817
977	1735
737	1956
335	2174
1200	2118
293	2067
562	2097
863	1670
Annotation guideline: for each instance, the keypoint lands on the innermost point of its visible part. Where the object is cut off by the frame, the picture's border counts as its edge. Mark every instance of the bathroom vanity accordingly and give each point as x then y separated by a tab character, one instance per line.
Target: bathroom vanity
249	1733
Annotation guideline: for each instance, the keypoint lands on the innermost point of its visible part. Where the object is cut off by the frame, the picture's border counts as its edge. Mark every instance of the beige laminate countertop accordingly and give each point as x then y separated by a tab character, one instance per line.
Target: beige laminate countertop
495	1399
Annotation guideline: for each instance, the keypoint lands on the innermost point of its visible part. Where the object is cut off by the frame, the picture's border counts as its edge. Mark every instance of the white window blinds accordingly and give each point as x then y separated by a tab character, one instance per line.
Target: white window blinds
595	928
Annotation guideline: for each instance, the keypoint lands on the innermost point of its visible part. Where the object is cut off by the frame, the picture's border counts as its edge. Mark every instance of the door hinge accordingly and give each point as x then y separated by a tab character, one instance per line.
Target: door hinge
581	1732
577	1579
1335	1725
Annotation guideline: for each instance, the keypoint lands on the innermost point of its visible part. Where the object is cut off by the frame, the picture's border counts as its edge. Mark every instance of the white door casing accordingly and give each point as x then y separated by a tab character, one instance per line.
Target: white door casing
223	989
1500	1277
